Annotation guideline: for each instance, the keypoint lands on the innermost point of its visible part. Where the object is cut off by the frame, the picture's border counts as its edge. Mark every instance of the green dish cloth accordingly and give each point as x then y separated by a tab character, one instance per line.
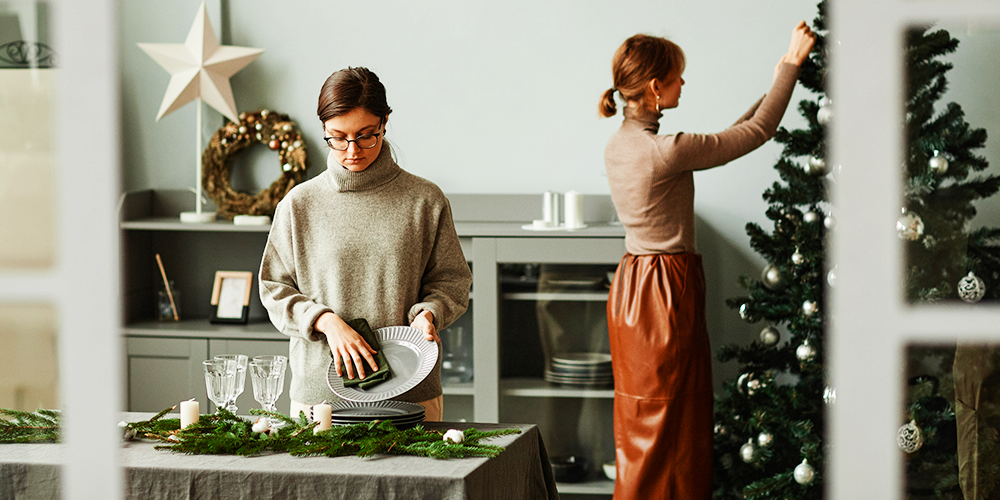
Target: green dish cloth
383	373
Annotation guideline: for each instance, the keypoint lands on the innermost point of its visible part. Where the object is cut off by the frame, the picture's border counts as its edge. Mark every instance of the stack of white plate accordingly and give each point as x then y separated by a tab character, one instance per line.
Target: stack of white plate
402	414
581	369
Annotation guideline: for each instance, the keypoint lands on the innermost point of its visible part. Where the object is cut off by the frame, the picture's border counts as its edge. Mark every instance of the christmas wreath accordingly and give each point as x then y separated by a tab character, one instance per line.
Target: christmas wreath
279	133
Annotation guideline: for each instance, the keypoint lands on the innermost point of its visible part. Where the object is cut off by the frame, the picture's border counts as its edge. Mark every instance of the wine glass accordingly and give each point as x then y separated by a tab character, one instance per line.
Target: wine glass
267	373
220	380
241	377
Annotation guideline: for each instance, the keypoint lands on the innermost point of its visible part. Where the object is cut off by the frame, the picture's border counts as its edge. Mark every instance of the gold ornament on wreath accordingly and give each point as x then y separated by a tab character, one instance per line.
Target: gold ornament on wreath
275	130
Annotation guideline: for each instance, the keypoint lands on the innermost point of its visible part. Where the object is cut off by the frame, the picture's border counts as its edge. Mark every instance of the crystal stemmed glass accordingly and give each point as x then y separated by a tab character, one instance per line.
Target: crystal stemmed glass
241	377
267	373
220	380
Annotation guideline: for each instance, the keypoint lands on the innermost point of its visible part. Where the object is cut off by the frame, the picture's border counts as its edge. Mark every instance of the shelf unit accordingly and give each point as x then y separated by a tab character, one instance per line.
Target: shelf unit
489	227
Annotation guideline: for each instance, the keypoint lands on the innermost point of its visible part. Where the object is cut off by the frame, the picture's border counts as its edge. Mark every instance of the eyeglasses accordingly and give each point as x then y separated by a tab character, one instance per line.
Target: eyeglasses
366	141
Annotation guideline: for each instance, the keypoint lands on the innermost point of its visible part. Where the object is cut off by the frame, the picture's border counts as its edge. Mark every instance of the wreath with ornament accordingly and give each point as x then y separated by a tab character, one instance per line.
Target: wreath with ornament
279	133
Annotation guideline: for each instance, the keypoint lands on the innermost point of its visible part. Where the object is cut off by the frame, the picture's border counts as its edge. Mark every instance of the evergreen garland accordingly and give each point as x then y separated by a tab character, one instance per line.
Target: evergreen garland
41	426
224	433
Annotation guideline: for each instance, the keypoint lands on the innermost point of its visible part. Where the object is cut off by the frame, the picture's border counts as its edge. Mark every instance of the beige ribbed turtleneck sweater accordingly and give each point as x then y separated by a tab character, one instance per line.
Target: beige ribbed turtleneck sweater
650	175
379	244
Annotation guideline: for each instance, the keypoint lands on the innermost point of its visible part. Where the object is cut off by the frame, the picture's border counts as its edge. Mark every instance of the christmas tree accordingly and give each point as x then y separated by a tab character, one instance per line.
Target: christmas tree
770	421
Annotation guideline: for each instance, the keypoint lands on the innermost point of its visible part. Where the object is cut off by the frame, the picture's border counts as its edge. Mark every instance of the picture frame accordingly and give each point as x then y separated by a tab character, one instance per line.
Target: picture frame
231	297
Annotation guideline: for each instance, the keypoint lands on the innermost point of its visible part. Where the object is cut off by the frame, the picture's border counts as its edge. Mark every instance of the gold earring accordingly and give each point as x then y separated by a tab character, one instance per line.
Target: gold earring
657	103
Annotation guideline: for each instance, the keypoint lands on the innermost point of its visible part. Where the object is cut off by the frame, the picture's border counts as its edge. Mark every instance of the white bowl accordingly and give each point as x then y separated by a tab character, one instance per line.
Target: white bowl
609	470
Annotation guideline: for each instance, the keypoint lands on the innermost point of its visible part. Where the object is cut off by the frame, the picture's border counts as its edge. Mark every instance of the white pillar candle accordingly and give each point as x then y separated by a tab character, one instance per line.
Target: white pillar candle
550	208
573	208
323	413
189	413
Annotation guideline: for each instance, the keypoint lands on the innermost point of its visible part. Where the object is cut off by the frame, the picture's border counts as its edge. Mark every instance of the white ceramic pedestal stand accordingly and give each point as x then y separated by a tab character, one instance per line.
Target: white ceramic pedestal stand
198	215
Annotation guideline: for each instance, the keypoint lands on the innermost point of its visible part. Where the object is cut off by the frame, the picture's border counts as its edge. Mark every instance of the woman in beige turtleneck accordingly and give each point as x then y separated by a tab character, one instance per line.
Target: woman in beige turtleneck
656	310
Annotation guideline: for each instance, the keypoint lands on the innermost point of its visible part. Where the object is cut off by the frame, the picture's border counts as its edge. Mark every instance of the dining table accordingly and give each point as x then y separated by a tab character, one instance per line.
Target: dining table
521	472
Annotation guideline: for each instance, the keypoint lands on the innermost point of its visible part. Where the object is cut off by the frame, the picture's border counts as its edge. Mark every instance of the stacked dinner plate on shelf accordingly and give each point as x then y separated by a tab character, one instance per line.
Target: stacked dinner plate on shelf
402	414
590	370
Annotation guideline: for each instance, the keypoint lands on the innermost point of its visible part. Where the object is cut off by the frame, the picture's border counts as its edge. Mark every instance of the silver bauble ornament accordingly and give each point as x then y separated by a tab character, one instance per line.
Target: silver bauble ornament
825	112
747	451
829	395
831	277
769	335
797	258
804	473
909	438
805	352
809	307
745	313
909	226
772	277
830	221
721	430
765	439
971	288
748	384
938	164
816	166
810	217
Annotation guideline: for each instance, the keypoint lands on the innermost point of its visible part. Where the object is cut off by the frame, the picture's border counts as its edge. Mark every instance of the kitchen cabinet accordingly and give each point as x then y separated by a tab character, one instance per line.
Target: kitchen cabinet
507	342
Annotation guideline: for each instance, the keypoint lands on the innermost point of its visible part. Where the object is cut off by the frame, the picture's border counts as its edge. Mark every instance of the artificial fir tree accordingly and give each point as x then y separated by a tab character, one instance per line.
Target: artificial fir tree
770	421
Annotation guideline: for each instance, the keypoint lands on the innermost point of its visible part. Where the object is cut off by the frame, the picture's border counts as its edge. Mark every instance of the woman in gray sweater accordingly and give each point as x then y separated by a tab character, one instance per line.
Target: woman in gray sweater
364	239
656	309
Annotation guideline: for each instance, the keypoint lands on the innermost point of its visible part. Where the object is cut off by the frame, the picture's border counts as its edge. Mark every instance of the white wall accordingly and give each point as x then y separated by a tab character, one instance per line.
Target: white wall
488	97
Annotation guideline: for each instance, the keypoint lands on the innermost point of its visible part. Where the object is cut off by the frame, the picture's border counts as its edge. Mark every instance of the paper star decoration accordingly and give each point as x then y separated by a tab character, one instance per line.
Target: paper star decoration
200	67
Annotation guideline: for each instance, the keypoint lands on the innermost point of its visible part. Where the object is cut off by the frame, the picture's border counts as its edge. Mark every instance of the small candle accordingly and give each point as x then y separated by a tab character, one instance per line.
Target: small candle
323	413
573	209
189	413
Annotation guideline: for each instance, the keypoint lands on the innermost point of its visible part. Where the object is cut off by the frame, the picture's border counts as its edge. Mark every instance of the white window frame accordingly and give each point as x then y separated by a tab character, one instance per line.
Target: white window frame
871	324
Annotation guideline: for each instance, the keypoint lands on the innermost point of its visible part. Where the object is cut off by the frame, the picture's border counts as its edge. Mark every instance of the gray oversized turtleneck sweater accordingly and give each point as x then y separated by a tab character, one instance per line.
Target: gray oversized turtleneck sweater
379	244
650	175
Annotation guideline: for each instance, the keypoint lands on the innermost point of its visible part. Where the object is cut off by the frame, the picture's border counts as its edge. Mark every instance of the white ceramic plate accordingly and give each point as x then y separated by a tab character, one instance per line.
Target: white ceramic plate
411	357
581	358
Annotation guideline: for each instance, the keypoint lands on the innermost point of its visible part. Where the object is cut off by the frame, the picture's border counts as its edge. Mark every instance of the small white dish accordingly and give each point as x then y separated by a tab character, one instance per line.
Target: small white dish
609	470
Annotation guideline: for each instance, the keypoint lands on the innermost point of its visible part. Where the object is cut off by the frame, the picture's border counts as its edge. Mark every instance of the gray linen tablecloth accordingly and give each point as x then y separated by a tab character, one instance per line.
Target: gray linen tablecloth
521	472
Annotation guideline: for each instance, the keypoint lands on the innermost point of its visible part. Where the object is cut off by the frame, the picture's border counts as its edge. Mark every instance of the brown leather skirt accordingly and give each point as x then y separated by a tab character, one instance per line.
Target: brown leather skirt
662	365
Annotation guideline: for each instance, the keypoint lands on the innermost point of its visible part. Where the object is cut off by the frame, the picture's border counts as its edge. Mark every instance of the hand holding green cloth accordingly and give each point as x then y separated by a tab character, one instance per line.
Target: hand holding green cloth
383	373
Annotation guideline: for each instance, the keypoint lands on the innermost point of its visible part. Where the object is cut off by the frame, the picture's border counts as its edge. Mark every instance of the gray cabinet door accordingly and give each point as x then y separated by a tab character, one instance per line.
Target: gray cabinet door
254	348
162	372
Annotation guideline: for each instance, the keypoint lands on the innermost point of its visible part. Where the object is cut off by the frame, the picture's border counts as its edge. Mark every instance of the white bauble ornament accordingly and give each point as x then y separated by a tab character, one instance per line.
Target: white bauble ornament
765	439
830	221
804	473
805	352
797	258
810	217
971	288
772	277
938	164
909	438
831	277
454	435
748	384
816	166
809	307
769	335
829	395
747	451
909	226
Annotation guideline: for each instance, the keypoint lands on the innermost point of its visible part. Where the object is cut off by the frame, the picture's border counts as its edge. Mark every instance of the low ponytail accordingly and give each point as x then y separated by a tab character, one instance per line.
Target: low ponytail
607	107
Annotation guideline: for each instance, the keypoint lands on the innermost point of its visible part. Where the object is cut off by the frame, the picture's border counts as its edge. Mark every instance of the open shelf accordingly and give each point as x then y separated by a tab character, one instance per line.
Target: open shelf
202	328
539	388
174	224
565	296
594	487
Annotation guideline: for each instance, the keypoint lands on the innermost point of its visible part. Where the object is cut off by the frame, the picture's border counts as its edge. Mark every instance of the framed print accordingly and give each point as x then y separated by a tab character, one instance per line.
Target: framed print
231	296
